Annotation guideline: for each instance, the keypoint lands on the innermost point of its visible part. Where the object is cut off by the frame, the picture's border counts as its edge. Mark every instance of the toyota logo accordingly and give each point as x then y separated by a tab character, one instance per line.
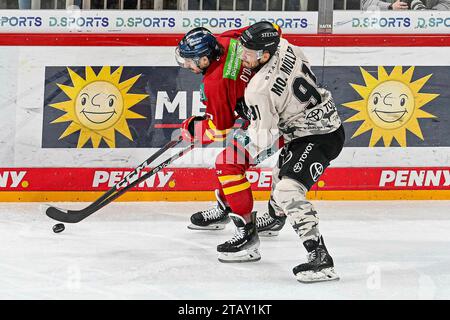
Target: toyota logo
298	167
315	115
316	169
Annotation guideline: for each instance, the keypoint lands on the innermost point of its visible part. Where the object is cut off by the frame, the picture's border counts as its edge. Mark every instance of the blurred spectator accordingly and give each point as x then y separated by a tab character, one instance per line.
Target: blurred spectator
76	3
405	4
100	4
24	4
130	4
347	4
115	4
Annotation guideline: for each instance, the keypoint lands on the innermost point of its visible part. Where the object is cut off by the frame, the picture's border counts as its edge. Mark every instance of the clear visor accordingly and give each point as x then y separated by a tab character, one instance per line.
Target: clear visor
187	63
250	55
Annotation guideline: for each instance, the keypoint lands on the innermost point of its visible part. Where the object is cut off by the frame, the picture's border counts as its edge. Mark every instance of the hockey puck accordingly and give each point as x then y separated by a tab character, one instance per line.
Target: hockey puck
59	227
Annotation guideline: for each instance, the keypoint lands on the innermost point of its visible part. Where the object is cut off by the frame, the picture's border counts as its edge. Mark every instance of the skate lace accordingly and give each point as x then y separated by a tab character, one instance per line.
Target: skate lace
240	233
312	255
315	254
212	213
265	220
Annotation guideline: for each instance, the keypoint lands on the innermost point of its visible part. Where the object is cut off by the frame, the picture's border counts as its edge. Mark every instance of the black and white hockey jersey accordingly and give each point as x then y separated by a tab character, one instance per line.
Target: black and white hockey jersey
283	98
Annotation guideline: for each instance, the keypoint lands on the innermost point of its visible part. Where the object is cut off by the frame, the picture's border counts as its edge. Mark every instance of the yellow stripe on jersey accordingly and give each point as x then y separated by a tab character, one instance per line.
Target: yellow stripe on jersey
214	134
210	135
230	178
235	189
213	126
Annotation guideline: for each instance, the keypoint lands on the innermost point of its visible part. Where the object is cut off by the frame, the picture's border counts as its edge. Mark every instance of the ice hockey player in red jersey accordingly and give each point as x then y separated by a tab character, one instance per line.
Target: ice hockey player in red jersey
283	98
224	81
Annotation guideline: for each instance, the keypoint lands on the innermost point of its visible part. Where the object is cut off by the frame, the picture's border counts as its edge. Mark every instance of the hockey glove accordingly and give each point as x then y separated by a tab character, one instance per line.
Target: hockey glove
200	129
242	109
190	126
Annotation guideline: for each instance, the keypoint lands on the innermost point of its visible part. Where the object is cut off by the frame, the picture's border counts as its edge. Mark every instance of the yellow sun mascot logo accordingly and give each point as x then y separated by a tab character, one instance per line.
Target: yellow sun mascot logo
98	105
391	104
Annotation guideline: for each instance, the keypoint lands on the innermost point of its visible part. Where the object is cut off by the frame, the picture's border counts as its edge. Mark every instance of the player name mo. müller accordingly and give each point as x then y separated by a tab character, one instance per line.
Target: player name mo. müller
287	65
288	61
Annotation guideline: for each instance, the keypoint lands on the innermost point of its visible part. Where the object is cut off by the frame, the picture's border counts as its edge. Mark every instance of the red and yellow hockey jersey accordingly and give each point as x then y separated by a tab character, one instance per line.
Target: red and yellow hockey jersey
224	83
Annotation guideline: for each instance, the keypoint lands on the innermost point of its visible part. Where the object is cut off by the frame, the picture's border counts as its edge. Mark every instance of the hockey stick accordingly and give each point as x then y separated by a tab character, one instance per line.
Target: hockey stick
132	179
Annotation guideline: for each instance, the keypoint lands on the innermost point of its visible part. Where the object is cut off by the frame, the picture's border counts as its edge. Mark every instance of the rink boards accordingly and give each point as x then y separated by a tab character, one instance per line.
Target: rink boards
196	184
49	154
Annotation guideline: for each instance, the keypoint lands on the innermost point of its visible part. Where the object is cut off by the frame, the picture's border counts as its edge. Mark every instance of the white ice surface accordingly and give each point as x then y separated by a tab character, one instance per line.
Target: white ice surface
382	250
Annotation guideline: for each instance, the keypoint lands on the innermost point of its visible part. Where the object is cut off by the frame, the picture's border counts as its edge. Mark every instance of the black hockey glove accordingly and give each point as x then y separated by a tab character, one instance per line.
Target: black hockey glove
243	110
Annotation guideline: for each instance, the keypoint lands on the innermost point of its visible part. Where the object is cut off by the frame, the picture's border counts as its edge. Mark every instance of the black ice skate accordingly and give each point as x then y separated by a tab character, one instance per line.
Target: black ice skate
211	219
243	247
270	224
320	265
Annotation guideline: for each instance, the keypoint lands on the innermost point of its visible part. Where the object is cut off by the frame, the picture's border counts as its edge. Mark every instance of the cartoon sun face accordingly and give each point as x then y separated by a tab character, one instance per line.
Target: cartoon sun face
391	104
99	105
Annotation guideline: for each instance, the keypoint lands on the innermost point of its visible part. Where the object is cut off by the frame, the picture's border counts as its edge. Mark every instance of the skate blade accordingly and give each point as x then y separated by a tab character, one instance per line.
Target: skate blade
210	227
268	233
240	256
327	274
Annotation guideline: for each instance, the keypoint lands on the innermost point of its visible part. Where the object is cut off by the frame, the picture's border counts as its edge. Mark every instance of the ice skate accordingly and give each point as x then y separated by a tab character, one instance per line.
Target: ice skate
269	224
214	218
320	266
243	247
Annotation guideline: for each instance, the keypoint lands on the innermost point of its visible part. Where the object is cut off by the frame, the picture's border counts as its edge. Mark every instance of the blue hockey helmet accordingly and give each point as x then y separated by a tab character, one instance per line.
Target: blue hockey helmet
197	43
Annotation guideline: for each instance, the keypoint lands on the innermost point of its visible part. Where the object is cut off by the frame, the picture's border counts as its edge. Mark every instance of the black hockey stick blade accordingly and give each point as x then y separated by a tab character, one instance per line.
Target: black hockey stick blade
67	216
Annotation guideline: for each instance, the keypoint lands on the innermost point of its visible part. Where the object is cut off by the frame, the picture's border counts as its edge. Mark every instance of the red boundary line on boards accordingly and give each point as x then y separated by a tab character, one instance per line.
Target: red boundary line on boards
306	40
180	179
